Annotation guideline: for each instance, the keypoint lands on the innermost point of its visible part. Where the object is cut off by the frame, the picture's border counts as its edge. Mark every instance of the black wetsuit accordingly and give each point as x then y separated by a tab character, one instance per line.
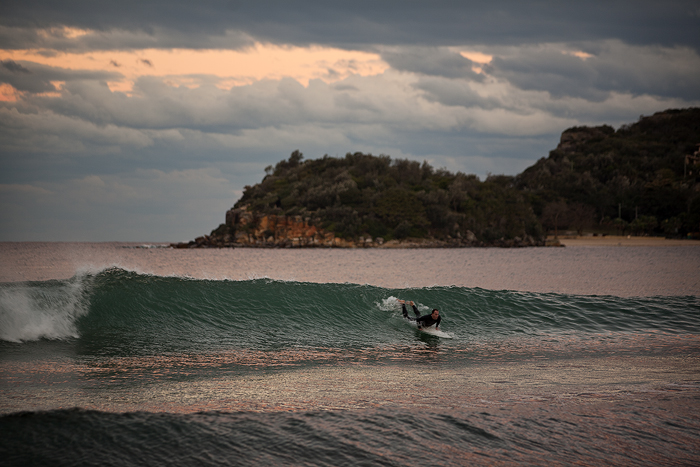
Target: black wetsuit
423	321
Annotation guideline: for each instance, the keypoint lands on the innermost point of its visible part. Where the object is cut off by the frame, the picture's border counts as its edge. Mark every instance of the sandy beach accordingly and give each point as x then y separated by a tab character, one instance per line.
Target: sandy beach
618	240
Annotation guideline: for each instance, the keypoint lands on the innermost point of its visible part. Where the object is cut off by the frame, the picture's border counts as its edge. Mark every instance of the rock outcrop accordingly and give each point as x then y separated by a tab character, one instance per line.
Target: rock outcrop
573	137
246	229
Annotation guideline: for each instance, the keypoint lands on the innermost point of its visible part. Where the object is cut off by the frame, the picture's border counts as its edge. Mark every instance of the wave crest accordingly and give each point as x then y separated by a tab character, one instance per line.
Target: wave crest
45	310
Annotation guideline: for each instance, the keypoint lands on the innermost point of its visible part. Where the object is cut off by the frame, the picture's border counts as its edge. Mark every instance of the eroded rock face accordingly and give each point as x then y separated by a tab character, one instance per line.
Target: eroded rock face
245	229
275	230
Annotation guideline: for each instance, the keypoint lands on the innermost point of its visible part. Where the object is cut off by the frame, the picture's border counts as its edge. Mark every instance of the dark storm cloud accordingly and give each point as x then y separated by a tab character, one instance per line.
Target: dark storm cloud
118	39
431	61
164	23
552	71
13	67
36	78
609	67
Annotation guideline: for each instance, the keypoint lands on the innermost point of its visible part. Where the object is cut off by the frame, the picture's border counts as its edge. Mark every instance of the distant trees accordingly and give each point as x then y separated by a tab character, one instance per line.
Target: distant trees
555	215
644	225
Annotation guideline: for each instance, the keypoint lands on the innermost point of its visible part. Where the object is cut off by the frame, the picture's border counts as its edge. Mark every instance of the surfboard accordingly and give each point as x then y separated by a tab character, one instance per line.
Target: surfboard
435	332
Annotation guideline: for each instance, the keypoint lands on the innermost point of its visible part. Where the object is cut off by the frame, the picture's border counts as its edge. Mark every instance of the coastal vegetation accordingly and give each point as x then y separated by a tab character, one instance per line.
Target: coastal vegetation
366	195
643	179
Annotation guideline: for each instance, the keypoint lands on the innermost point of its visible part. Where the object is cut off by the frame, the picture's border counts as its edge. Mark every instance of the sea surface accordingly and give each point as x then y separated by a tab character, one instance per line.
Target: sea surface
138	354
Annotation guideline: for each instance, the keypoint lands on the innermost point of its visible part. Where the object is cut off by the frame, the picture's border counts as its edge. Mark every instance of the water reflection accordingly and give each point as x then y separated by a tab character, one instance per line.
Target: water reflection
58	362
173	383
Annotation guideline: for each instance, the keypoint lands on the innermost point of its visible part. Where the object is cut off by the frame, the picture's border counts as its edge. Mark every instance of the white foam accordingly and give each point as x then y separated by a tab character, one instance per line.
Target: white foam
32	312
389	304
392	304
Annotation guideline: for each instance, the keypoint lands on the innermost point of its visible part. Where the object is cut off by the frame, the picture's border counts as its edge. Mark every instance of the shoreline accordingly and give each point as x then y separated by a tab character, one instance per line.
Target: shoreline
622	240
411	243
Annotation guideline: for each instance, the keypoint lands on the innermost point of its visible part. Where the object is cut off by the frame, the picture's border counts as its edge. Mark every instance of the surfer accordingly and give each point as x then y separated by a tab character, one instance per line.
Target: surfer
422	321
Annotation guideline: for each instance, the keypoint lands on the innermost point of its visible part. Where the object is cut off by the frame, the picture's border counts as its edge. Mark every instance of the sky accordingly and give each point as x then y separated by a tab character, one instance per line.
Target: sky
143	121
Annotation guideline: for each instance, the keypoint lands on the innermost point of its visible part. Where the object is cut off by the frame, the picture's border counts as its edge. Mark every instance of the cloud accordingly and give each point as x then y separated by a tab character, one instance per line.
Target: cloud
451	92
166	127
157	105
46	132
13	67
432	61
37	78
358	24
602	68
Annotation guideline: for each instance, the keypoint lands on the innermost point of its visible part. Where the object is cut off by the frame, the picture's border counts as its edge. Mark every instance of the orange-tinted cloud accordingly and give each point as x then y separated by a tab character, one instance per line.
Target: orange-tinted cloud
7	93
230	66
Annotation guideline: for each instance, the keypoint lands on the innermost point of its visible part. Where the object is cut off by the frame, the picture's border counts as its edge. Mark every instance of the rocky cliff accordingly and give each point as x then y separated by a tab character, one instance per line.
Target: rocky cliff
246	229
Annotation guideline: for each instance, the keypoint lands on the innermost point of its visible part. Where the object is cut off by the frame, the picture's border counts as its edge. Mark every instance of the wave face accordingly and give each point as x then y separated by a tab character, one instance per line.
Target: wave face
121	312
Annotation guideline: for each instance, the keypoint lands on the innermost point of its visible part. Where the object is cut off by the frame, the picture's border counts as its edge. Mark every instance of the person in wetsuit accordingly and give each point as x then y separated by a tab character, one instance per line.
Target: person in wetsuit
422	321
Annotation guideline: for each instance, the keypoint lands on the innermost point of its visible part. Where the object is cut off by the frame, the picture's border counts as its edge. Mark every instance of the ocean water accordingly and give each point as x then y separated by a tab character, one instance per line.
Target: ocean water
127	354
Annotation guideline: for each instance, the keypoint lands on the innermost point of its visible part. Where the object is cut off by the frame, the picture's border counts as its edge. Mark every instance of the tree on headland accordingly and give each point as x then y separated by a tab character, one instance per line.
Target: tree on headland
644	225
554	214
581	217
